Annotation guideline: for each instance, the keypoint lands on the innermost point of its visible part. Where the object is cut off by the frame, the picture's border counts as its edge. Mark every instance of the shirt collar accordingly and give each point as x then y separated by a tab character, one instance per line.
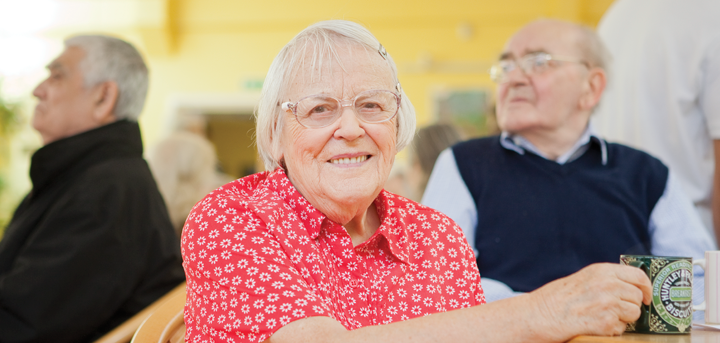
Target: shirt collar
519	144
312	219
392	226
72	155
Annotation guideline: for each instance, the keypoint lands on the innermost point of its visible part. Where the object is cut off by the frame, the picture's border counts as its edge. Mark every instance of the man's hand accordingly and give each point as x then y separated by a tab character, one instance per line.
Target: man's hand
598	300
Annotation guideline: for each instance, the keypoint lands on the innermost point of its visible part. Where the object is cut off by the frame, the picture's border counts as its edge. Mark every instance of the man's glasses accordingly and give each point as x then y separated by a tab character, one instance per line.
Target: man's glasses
318	111
534	63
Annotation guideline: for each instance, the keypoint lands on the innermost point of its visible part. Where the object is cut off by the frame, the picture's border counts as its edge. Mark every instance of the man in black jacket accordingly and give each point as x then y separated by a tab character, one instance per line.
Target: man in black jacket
92	243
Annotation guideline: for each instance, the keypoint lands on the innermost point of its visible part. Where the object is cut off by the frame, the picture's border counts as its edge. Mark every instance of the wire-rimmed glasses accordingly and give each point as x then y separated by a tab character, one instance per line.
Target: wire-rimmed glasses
320	110
533	63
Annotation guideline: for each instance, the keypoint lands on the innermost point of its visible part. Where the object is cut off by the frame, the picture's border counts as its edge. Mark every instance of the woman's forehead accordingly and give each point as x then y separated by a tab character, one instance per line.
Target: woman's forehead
352	68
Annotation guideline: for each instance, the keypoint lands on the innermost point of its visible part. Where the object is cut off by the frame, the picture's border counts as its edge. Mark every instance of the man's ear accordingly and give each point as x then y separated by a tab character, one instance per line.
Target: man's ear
105	97
594	88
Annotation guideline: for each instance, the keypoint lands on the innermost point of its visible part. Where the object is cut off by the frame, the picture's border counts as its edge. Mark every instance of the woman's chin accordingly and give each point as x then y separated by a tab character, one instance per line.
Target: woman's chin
351	193
343	200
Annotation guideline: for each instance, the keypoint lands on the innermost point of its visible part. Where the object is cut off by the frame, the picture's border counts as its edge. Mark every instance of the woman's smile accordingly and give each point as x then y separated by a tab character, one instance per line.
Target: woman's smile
350	161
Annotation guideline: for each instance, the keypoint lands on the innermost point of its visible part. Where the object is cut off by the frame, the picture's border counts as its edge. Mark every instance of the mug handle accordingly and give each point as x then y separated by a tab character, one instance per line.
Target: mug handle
642	266
701	263
644	309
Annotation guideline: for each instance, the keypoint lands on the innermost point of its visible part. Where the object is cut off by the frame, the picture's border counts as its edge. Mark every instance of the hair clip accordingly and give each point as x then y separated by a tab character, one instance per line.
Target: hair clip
382	52
399	89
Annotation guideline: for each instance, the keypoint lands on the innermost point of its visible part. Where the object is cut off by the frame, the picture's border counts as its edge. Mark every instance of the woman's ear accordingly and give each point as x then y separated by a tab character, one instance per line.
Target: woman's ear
105	96
594	88
276	149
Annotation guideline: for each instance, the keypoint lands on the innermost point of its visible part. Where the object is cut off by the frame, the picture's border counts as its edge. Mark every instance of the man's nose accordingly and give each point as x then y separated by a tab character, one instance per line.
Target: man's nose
516	75
39	91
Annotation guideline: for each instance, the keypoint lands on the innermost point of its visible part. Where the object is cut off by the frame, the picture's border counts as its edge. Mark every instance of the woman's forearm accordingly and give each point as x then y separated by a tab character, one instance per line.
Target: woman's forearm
598	300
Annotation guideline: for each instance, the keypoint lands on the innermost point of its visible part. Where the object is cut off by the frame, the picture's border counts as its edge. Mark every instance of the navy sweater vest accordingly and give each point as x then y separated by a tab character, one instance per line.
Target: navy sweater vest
539	220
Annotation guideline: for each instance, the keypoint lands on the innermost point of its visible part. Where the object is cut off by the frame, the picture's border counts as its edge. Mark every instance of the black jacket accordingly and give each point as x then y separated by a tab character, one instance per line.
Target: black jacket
90	245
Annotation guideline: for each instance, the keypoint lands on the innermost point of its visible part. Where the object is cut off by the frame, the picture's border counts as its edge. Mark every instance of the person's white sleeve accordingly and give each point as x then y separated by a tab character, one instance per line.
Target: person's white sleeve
446	192
676	229
709	100
495	290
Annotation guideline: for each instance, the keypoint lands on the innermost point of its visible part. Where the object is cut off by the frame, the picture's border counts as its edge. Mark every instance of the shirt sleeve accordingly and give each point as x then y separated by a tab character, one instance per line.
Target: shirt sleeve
446	192
675	227
242	287
676	230
496	290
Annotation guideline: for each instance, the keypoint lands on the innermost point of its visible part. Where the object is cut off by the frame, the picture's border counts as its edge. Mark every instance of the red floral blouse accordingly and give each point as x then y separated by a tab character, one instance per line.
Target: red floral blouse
258	256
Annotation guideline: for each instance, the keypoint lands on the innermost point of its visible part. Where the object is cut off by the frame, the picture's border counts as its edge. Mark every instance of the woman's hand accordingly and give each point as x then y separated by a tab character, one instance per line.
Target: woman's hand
598	300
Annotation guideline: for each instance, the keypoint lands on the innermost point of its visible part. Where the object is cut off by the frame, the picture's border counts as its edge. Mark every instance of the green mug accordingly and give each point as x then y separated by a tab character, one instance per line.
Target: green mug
671	309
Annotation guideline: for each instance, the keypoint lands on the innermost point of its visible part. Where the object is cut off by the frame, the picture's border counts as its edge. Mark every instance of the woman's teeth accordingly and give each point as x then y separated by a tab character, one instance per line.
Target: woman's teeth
349	160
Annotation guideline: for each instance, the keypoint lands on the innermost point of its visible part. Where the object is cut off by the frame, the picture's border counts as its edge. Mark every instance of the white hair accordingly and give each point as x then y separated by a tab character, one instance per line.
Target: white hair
112	59
319	39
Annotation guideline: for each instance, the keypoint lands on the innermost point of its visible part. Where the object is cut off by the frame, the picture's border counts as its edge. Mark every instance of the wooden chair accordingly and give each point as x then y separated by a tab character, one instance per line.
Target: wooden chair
125	331
166	324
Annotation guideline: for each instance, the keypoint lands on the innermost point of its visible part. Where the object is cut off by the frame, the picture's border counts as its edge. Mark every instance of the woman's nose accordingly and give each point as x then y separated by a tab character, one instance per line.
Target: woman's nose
350	127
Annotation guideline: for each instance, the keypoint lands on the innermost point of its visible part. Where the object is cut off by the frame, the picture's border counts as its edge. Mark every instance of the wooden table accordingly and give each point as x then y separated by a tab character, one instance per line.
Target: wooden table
698	335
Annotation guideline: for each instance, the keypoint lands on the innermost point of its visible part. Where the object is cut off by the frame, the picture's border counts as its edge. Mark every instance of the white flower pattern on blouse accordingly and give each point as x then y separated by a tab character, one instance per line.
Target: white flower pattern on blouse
258	256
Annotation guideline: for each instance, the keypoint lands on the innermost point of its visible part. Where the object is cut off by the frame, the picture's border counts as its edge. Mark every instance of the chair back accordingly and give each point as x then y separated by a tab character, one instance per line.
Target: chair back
125	331
166	324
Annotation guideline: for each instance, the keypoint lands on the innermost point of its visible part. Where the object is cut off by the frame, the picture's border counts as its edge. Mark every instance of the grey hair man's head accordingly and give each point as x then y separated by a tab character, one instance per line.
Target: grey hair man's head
112	59
551	75
95	81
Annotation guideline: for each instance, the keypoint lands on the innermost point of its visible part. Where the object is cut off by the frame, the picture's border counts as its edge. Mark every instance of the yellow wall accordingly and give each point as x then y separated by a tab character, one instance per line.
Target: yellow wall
221	44
216	46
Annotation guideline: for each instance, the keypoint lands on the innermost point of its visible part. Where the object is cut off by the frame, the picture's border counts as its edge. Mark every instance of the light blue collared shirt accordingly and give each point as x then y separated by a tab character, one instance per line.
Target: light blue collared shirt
674	227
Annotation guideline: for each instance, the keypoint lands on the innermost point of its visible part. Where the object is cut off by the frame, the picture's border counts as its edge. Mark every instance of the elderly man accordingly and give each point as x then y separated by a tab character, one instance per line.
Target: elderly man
548	196
92	243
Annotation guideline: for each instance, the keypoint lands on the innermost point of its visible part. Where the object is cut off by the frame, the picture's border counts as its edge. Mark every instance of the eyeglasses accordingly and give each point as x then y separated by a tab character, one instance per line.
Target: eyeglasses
534	63
318	111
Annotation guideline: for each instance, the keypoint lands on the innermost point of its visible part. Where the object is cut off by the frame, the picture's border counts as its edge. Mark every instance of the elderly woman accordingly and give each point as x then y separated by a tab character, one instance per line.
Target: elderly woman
315	251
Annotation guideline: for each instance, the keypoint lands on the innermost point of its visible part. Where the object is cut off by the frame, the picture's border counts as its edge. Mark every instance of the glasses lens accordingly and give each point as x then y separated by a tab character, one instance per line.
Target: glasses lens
370	106
376	106
496	73
499	71
536	63
317	111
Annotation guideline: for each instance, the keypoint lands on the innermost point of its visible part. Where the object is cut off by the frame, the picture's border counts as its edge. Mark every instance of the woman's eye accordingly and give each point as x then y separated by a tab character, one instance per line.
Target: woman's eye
319	109
370	106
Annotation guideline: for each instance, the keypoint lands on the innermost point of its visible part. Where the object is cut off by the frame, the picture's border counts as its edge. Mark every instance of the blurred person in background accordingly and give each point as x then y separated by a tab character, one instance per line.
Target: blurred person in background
184	166
430	142
91	244
664	94
548	197
410	181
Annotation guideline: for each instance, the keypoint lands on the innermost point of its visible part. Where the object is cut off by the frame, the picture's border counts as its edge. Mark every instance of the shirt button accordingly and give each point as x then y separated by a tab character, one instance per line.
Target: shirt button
355	283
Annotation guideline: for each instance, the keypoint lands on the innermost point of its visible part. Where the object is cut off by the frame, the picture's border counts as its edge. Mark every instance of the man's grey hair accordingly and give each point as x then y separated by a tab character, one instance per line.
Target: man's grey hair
112	59
311	48
594	50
